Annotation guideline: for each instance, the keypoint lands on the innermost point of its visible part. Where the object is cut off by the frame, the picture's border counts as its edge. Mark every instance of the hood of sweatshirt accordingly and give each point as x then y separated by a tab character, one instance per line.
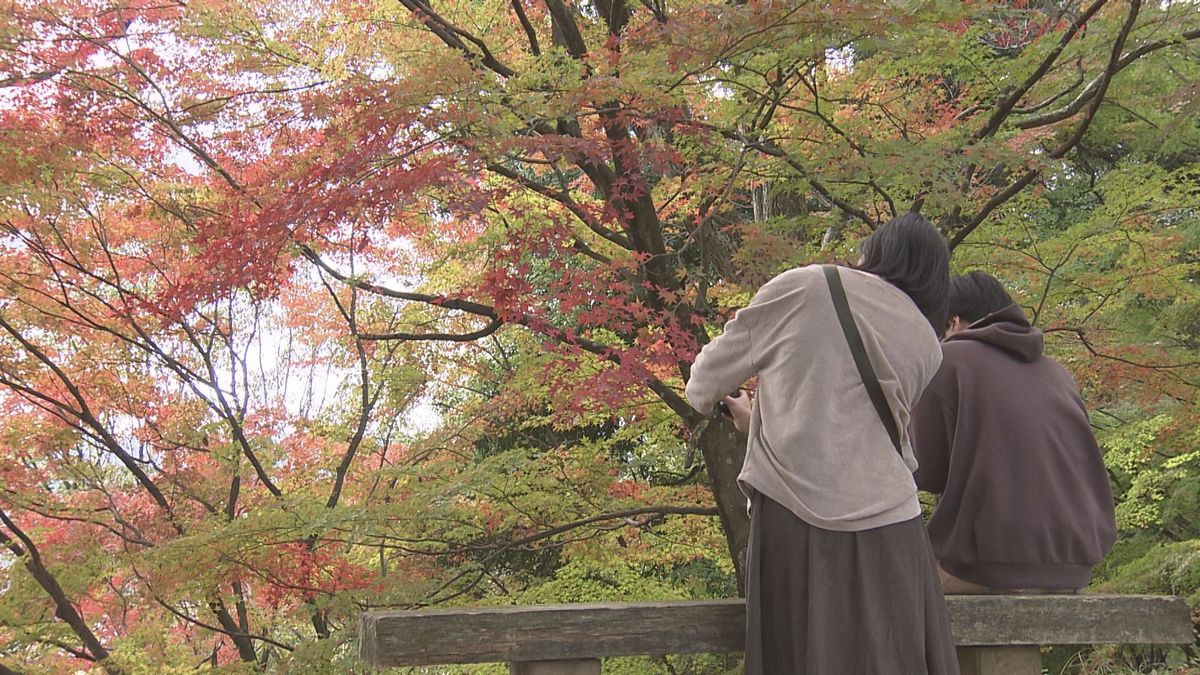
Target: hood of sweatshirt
1007	330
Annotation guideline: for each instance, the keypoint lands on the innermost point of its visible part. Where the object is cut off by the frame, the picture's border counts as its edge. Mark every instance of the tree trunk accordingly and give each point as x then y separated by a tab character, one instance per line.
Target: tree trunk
724	449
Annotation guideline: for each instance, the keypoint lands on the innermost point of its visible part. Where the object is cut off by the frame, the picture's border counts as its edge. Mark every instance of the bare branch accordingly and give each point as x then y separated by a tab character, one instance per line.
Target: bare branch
992	204
1081	335
615	14
1029	110
438	300
657	9
487	330
241	641
367	400
216	629
1109	72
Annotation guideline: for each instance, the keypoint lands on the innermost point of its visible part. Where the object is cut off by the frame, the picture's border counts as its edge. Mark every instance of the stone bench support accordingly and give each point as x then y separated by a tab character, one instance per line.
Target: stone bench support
1022	660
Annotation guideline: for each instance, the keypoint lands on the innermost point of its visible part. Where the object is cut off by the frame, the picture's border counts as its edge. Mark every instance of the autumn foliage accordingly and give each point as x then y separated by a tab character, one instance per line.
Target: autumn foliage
314	307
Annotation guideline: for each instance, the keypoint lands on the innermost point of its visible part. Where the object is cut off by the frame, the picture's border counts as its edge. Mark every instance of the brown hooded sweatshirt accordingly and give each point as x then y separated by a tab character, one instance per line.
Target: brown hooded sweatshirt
1003	436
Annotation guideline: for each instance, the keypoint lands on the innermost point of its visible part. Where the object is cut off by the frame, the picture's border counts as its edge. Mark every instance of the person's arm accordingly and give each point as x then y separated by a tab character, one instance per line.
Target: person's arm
722	366
931	429
726	363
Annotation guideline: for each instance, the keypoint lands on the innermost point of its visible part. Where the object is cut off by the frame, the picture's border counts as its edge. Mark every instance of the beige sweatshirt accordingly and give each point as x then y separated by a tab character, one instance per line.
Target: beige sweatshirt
816	444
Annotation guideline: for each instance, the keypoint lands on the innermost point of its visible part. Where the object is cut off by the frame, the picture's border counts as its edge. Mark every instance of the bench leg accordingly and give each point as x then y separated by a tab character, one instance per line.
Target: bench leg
564	667
1022	660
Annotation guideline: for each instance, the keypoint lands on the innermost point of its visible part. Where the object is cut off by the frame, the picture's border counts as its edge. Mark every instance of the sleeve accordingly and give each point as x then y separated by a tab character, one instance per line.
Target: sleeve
931	428
723	365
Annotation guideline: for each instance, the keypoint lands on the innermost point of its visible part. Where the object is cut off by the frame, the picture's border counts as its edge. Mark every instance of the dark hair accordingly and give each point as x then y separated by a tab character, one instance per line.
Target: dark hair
913	256
976	295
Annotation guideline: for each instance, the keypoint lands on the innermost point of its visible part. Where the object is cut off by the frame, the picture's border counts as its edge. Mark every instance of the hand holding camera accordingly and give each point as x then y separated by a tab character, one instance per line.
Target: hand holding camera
737	408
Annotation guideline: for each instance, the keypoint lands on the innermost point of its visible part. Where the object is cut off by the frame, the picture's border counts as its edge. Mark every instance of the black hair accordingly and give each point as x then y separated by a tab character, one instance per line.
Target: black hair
976	295
913	256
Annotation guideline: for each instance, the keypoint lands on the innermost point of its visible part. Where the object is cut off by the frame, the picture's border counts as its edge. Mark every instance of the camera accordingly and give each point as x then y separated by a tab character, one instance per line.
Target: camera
724	409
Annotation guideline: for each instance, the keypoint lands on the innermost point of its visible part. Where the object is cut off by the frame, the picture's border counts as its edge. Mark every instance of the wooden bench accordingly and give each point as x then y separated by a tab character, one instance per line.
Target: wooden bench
995	633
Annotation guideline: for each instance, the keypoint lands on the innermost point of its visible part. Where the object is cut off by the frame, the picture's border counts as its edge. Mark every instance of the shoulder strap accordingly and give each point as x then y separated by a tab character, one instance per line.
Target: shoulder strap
854	340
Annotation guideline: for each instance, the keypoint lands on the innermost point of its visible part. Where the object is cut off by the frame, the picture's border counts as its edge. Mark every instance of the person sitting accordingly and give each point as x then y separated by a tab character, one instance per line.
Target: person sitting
1003	436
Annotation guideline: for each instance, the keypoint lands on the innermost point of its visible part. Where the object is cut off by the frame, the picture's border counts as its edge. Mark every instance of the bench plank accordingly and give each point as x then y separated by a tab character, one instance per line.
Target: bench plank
551	632
576	631
1069	619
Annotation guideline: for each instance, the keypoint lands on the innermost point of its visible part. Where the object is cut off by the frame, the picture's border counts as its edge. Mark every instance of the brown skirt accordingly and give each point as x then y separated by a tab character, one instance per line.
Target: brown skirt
820	602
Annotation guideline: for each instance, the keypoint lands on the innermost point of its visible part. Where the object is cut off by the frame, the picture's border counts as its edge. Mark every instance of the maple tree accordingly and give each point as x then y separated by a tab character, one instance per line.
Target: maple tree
243	242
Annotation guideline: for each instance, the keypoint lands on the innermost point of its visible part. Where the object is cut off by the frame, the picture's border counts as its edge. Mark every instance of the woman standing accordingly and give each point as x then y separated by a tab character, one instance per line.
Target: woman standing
840	574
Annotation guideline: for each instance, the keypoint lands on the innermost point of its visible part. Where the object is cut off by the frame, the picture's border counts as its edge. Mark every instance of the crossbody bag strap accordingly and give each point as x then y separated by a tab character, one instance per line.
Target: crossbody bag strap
861	359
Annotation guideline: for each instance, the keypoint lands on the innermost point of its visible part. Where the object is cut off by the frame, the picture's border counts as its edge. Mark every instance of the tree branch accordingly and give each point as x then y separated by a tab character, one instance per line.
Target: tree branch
1029	110
566	527
85	415
487	330
438	300
216	629
1110	71
566	28
64	609
1006	105
450	34
530	33
660	388
565	200
615	14
1068	143
992	204
1087	344
614	515
771	148
241	641
1089	92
